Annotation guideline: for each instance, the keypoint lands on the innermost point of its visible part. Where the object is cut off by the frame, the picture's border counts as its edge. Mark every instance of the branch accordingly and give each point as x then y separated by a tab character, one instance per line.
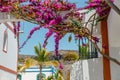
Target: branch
90	19
102	53
113	6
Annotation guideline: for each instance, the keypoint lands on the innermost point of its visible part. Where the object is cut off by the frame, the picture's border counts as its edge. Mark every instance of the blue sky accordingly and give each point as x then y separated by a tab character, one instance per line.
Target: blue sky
39	37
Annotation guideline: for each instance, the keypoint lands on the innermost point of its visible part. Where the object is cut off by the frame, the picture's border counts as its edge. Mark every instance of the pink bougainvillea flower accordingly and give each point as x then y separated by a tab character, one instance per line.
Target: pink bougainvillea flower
101	7
52	22
29	36
15	28
18	27
48	34
47	2
95	39
78	36
23	0
105	47
77	14
58	6
5	8
49	13
83	44
23	43
57	20
70	6
61	65
56	37
32	31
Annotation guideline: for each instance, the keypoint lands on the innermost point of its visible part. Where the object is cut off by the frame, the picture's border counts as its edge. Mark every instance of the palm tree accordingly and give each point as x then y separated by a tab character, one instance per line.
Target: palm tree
57	76
42	56
41	59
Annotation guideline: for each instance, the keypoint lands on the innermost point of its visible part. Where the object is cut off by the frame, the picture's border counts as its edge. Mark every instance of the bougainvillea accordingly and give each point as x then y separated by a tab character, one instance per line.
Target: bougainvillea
58	16
54	15
48	34
30	34
101	7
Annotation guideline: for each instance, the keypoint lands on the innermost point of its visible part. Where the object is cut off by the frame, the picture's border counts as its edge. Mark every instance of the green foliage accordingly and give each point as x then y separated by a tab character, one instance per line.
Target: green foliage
27	63
50	78
71	56
76	23
57	76
42	54
70	38
41	59
84	53
21	60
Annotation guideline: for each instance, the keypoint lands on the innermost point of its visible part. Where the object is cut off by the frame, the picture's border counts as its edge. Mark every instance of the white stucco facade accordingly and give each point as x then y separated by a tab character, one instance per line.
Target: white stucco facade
8	60
32	72
114	41
6	75
92	69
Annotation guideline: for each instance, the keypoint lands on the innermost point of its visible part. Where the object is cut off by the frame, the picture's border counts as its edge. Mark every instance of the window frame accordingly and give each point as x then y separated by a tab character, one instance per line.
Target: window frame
5	41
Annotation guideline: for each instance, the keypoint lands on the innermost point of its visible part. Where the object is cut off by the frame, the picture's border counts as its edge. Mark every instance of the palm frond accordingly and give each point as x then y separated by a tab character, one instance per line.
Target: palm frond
20	68
37	51
46	56
30	62
42	54
51	63
27	64
40	47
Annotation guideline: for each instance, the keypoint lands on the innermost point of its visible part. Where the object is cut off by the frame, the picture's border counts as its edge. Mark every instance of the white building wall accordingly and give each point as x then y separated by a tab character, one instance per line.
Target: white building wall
9	59
95	66
31	73
91	69
7	76
114	41
6	17
95	69
96	29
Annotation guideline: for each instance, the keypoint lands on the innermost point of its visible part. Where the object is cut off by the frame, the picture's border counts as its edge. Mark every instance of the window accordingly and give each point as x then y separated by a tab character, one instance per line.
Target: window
5	41
39	77
19	77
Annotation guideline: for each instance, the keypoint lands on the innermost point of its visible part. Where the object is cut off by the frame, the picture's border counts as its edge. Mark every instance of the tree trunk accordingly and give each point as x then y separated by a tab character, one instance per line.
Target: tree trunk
40	75
68	75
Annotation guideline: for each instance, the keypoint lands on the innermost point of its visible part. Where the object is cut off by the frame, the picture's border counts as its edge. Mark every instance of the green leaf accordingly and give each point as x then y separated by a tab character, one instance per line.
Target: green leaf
70	38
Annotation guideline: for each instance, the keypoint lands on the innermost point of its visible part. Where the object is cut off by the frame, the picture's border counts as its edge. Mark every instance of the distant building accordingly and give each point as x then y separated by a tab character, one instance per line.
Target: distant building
32	73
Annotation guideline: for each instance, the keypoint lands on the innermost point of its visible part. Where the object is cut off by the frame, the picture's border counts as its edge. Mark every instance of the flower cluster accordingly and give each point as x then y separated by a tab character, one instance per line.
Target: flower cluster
58	16
100	6
48	34
57	37
30	34
55	15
